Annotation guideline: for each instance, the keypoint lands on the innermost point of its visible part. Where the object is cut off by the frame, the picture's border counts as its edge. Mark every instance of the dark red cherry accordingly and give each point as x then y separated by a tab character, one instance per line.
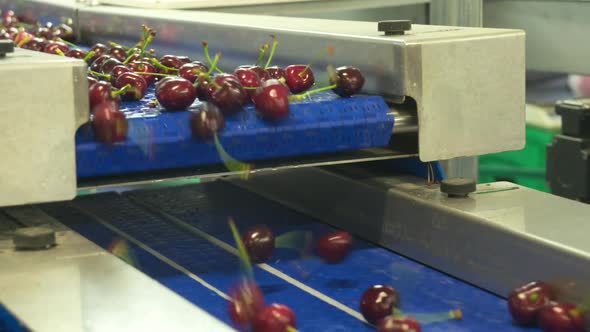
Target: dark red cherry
116	71
91	80
249	79
191	71
109	123
246	301
22	37
561	317
52	47
524	303
108	65
229	96
44	32
12	32
98	49
277	73
171	61
100	92
202	88
259	242
9	19
334	247
399	324
207	121
35	44
4	35
98	62
76	54
184	59
118	52
299	78
272	100
349	81
378	302
64	32
138	85
274	318
175	93
262	74
144	67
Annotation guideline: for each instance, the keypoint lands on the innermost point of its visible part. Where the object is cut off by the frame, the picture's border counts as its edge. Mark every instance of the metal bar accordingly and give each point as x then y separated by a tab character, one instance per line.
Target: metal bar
466	13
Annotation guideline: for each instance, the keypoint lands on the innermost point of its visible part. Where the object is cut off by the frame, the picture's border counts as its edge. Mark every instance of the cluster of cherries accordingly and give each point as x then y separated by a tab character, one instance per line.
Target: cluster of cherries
534	304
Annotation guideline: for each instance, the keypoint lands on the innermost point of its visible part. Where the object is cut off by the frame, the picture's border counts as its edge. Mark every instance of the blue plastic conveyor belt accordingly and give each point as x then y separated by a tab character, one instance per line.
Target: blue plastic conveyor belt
166	220
160	140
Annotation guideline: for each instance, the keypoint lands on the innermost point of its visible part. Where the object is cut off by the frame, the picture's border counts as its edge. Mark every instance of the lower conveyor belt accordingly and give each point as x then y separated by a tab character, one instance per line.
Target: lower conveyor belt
185	228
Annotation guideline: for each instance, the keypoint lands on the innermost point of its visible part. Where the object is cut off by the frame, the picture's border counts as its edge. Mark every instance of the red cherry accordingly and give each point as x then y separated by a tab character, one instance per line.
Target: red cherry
207	121
22	36
259	242
9	19
76	54
561	317
171	61
248	78
91	80
44	32
110	125
4	35
299	79
228	95
399	324
524	303
203	88
36	44
98	49
118	52
378	302
144	67
334	247
64	32
99	93
274	318
108	65
52	47
97	64
184	59
272	100
138	85
191	71
262	74
175	93
116	71
349	81
246	301
277	73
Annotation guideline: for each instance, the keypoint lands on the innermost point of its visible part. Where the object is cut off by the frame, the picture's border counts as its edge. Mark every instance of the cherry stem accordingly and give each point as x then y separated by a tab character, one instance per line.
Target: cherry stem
208	57
152	74
262	53
108	77
251	87
130	57
328	50
59	52
241	248
275	43
89	55
161	66
24	41
148	41
214	64
112	44
291	329
121	91
441	317
311	92
67	43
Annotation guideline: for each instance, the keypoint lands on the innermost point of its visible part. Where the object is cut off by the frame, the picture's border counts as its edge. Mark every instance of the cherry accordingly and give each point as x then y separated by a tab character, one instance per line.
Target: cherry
98	62
44	32
202	88
184	59
299	78
35	44
277	73
98	49
91	80
170	61
259	242
263	75
334	247
144	67
378	301
64	32
207	121
110	125
227	94
191	70
4	35
272	100
274	318
116	71
348	81
175	93
118	52
137	83
399	324
246	301
22	37
100	92
524	303
76	53
561	317
249	79
108	65
55	47
9	19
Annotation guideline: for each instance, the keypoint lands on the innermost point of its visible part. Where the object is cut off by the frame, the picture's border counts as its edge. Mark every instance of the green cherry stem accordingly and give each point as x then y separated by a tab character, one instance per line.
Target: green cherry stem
130	57
214	63
121	91
275	43
291	329
67	43
24	41
311	92
161	66
105	76
148	41
262	53
328	50
241	249
89	56
59	52
208	57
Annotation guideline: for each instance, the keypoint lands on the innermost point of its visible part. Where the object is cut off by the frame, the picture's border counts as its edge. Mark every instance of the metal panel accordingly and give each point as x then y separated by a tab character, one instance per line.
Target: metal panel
77	286
43	104
465	13
500	237
455	75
